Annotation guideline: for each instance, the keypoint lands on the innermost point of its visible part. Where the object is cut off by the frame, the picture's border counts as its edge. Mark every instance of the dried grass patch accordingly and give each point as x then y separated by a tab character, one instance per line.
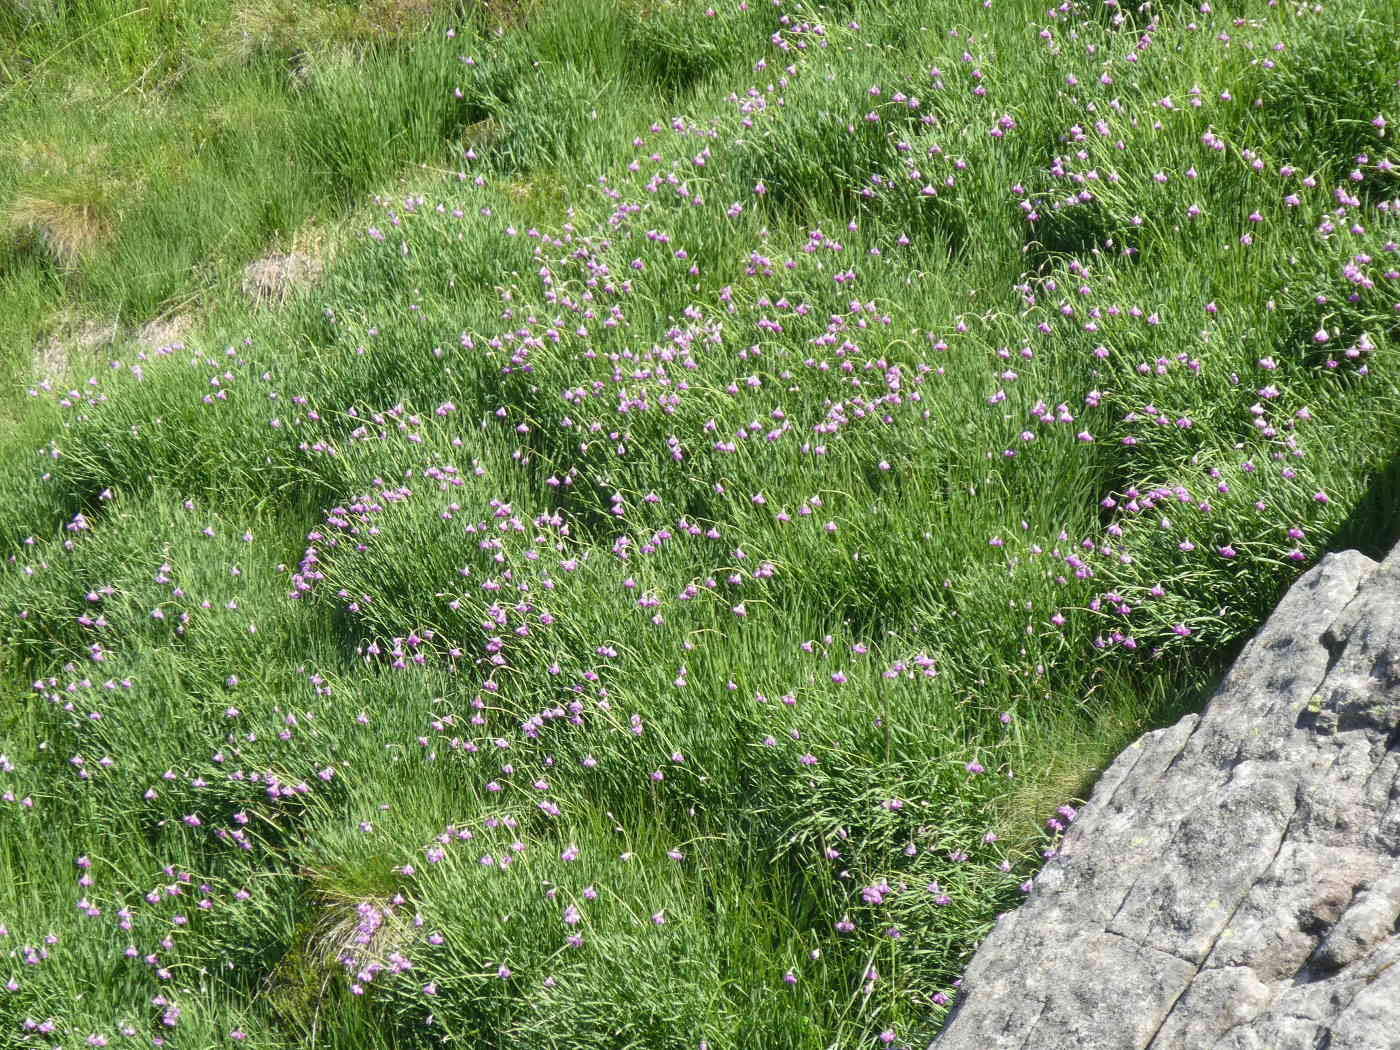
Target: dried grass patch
272	280
301	30
65	222
72	340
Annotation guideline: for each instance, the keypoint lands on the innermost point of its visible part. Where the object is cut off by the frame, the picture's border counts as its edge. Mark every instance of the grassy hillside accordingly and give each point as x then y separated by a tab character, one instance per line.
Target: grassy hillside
723	482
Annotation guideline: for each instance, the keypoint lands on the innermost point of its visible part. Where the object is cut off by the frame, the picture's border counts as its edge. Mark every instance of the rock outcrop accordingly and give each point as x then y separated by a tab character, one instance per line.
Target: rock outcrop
1234	881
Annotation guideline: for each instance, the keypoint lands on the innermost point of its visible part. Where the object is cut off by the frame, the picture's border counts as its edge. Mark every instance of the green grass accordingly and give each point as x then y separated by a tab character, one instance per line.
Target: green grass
727	491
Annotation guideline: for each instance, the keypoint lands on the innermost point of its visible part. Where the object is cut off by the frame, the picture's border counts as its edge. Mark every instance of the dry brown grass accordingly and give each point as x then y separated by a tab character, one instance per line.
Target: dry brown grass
500	15
164	332
66	205
401	17
73	342
36	157
272	279
68	225
301	30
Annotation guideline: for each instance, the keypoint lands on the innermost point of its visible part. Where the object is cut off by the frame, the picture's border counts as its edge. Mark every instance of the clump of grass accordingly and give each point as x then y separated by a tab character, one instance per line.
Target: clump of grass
67	222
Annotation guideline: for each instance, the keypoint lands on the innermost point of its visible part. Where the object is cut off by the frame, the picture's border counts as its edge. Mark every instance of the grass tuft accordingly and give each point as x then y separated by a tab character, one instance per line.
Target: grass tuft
67	223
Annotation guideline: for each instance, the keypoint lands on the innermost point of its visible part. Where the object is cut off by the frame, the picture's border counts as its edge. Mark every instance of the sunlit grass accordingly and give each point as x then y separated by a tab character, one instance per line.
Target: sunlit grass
646	520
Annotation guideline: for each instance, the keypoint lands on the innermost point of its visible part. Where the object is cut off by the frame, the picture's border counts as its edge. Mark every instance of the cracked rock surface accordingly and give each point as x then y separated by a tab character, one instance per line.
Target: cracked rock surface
1234	881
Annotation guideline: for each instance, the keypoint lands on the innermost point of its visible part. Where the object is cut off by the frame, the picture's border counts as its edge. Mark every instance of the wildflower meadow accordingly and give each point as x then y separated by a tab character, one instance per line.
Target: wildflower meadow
670	579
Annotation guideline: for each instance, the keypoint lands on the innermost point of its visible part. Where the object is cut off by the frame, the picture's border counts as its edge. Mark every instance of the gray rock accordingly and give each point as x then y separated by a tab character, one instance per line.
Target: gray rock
1234	881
